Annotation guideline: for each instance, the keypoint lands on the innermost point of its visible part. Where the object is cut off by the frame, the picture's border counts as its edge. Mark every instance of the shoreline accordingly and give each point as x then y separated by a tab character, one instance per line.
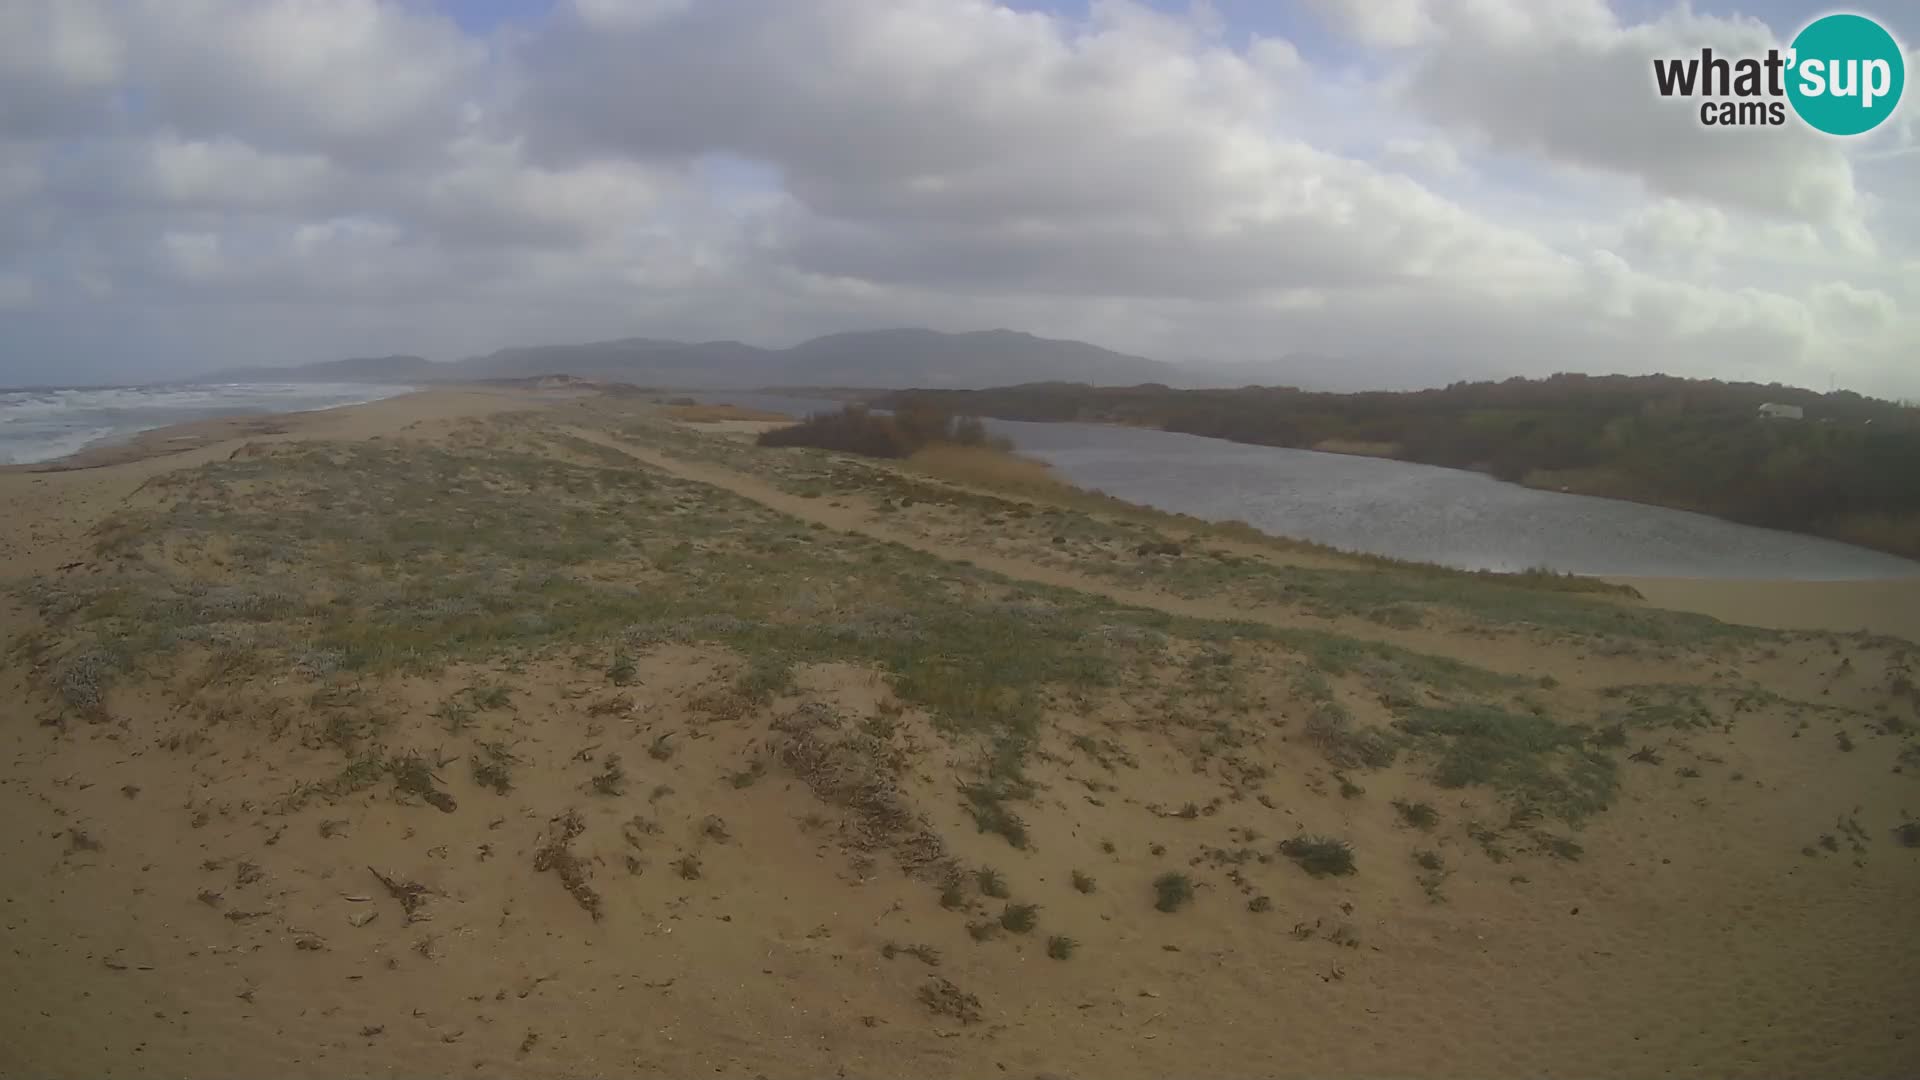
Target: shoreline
104	449
185	435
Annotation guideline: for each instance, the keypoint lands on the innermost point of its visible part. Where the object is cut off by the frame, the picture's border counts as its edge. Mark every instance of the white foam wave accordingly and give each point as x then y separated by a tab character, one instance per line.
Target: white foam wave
41	425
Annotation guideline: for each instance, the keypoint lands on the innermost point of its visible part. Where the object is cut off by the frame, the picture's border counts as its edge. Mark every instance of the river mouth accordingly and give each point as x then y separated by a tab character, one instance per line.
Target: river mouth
1423	513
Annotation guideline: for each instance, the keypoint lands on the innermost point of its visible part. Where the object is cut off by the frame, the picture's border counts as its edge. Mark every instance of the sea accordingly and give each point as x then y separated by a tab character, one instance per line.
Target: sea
44	423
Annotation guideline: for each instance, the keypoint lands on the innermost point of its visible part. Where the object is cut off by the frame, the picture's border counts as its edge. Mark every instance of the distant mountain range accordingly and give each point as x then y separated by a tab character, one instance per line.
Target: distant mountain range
879	359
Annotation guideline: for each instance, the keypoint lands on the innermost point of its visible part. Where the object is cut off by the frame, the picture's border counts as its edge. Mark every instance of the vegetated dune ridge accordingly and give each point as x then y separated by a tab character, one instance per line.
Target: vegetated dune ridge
488	732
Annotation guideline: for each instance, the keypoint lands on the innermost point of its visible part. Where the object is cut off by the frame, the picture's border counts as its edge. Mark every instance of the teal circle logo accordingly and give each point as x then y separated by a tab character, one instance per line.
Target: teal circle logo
1847	73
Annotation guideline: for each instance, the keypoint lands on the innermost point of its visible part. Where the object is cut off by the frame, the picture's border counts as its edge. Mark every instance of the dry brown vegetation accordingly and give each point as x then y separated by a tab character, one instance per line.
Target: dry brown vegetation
989	467
1358	447
667	749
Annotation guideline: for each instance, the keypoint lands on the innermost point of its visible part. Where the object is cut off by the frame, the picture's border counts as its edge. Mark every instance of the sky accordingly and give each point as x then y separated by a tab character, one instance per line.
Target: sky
1329	193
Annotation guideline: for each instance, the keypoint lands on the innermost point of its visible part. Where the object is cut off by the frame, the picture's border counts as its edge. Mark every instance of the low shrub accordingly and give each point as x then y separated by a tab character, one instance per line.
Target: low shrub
1172	891
857	430
1320	856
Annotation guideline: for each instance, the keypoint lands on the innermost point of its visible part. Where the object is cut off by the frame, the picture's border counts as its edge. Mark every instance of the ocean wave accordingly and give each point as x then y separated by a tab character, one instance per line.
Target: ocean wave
43	447
44	424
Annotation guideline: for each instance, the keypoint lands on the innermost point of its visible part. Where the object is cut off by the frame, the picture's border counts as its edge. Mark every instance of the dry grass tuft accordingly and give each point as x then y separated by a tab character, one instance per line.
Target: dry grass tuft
987	467
850	768
943	998
556	854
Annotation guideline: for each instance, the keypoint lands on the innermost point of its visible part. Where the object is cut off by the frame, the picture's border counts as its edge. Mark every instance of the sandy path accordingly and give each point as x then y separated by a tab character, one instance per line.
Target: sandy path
1509	655
1881	606
846	520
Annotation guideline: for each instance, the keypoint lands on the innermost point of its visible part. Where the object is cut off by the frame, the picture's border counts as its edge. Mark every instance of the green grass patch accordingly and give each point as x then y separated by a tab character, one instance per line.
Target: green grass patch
1530	759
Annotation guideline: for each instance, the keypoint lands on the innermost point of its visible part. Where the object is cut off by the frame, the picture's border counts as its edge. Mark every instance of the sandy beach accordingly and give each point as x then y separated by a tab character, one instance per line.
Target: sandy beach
1890	606
481	731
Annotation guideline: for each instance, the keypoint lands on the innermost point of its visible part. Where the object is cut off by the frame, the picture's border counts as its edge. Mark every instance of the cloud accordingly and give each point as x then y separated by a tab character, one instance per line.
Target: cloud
627	14
357	78
1431	156
963	146
55	60
1570	81
226	174
1386	23
1471	193
486	187
1854	311
16	291
193	256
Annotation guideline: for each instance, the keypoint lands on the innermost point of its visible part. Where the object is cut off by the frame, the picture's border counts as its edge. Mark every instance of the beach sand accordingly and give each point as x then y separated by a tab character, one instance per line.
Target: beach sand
1879	607
256	852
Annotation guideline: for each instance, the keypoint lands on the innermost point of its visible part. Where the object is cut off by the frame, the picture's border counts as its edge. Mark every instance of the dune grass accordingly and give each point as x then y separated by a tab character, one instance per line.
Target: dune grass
343	561
1172	891
1019	918
1320	856
1533	760
360	558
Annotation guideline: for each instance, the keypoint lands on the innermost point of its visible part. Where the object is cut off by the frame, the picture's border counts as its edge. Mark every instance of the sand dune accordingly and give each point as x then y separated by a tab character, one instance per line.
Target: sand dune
487	732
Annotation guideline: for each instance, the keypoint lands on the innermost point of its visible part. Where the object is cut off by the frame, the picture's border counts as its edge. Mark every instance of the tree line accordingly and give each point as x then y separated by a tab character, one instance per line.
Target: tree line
856	429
